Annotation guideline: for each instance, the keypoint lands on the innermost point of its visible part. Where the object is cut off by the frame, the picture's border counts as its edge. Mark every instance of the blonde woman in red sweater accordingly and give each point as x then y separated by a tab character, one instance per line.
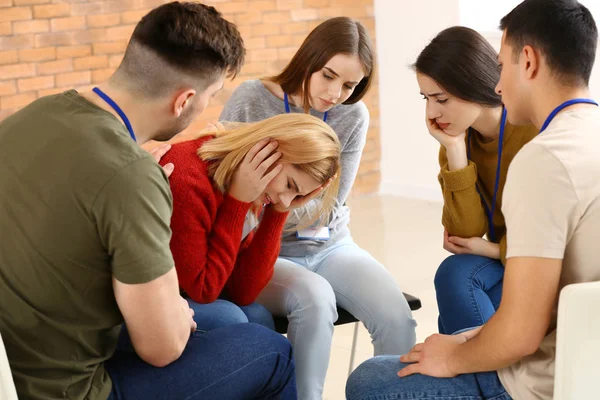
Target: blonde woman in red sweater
271	167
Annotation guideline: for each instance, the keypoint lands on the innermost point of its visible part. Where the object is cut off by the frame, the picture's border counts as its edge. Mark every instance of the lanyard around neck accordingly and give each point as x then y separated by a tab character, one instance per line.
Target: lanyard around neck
489	210
115	107
287	107
562	107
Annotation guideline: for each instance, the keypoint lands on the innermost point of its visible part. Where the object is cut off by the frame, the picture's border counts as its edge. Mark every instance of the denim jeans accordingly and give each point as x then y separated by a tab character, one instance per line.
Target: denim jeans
222	313
376	379
307	289
237	362
468	290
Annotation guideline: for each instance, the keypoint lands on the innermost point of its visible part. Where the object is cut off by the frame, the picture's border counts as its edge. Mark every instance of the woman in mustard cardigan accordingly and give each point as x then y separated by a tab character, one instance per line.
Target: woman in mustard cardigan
457	74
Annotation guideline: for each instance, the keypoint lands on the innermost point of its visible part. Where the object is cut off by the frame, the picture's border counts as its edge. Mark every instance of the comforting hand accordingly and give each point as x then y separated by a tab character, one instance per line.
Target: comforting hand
187	135
251	177
432	358
189	312
475	245
158	150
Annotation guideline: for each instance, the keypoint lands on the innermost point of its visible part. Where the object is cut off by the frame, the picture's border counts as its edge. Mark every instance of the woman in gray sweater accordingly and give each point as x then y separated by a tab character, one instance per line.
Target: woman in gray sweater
322	266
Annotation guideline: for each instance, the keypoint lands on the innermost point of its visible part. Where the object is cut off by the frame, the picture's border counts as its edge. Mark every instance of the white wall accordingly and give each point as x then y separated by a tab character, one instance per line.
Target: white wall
409	165
409	155
485	18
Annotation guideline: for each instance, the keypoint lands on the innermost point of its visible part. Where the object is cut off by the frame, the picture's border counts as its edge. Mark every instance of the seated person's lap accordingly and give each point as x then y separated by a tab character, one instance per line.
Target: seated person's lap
377	379
243	351
222	313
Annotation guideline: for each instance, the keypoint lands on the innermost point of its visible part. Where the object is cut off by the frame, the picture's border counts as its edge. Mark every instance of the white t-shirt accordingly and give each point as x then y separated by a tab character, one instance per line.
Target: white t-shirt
552	210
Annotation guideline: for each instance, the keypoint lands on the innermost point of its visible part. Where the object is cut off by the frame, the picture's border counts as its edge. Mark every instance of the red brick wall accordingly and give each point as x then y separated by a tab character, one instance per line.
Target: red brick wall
47	46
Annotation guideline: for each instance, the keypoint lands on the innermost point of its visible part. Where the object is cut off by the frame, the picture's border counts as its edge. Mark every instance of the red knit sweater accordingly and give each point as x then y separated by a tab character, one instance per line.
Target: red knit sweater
207	230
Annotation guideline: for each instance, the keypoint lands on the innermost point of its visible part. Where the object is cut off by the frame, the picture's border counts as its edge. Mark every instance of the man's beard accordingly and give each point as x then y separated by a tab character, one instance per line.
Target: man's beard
180	124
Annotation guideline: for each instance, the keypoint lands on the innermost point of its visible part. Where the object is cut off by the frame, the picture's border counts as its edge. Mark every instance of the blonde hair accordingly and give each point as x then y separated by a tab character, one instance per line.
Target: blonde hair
305	142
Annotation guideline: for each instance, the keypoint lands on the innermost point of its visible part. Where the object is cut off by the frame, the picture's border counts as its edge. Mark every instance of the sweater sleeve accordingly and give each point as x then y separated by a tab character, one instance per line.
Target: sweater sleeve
503	250
256	259
463	214
204	249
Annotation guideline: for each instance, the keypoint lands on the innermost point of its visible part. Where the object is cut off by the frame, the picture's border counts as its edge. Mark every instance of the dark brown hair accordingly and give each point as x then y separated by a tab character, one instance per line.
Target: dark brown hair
340	35
190	38
464	64
563	30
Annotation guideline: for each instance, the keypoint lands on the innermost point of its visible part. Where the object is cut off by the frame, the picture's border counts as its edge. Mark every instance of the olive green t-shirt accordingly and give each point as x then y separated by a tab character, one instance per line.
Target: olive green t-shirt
80	203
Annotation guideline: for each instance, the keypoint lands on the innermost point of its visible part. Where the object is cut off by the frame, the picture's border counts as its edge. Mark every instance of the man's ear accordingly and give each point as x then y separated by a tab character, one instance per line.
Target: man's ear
182	99
530	59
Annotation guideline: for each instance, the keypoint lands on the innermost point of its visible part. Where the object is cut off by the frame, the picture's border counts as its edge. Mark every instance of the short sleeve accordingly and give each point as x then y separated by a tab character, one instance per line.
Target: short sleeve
133	213
540	205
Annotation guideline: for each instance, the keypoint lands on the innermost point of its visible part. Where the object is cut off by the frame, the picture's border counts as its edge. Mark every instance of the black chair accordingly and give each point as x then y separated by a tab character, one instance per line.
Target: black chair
344	317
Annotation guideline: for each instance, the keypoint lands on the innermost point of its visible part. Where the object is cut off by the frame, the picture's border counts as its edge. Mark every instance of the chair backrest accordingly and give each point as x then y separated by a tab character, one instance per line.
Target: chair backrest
7	386
578	342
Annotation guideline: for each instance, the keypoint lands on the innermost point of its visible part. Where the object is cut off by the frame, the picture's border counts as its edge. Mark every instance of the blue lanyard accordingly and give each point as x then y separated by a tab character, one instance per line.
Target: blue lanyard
287	106
490	211
561	107
114	105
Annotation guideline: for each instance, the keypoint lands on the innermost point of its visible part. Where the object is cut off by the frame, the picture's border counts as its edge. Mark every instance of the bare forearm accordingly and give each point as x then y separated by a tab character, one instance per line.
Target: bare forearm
183	325
457	156
155	316
495	347
522	321
168	344
172	335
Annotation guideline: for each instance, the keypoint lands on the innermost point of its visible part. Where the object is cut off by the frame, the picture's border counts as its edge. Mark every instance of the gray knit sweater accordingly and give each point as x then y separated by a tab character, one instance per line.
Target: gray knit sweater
252	102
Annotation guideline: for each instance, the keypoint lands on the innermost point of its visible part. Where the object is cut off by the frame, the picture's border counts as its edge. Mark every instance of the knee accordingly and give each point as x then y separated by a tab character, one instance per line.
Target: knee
217	314
267	340
391	324
388	311
258	314
370	376
231	314
453	271
315	298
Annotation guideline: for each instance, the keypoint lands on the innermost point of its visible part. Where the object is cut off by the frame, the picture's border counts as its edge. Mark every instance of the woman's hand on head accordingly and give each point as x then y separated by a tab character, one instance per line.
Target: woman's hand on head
252	175
301	201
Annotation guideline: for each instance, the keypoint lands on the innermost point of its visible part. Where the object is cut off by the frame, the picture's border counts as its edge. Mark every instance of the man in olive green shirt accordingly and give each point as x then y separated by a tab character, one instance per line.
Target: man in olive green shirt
85	218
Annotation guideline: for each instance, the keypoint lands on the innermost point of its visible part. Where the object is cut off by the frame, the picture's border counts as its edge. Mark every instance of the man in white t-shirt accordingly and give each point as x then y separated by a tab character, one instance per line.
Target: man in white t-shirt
552	210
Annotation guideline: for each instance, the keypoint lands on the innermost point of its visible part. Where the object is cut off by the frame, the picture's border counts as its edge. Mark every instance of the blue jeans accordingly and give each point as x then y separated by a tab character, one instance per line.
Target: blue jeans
244	361
468	290
376	379
223	313
306	291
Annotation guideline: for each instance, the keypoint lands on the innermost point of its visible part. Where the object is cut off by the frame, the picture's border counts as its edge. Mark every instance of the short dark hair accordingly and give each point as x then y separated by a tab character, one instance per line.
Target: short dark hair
464	64
340	35
182	40
563	30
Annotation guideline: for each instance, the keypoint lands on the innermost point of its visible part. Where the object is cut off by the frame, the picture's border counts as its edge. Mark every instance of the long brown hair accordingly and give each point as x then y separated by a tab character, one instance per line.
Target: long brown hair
464	64
340	35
